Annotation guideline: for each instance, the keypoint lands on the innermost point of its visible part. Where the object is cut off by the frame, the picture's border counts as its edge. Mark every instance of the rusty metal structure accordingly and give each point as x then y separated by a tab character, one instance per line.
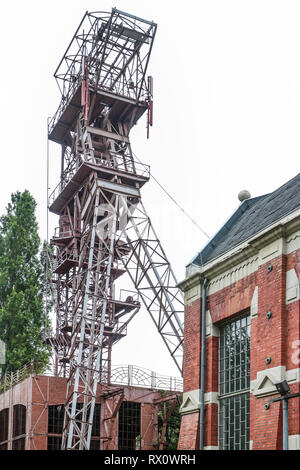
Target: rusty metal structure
104	230
129	413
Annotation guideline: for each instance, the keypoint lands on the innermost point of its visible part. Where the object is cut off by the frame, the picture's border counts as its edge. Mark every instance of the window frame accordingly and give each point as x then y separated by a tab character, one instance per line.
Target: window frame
233	393
57	424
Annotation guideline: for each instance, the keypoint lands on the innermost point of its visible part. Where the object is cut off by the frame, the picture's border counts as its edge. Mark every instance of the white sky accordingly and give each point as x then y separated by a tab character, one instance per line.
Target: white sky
226	116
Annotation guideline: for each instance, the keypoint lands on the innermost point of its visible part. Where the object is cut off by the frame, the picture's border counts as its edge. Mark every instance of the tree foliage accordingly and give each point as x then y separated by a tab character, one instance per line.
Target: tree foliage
173	426
23	317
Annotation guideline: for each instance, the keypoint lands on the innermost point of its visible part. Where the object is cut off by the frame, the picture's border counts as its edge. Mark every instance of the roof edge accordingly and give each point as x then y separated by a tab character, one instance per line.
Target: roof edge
224	228
287	224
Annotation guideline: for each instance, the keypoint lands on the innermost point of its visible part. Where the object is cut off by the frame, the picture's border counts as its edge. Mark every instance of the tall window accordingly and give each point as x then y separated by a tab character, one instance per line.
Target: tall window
234	385
129	425
55	419
3	428
19	427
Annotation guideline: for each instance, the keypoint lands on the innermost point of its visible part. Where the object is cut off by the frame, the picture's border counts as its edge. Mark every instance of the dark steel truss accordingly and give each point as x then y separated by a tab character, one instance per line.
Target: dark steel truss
104	230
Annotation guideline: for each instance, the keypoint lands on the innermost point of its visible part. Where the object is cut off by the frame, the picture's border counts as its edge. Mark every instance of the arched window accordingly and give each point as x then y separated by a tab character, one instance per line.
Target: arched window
3	425
19	427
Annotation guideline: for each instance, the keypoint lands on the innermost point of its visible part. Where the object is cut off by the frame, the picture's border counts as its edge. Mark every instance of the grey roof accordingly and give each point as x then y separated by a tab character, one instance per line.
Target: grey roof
252	216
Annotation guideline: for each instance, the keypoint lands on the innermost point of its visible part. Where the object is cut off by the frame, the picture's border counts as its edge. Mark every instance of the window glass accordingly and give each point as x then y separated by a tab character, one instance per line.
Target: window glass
234	384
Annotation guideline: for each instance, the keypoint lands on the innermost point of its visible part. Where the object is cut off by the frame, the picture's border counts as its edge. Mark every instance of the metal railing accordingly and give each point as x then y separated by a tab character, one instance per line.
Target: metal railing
61	185
120	375
126	295
114	161
68	96
122	163
63	256
139	377
9	379
60	232
64	103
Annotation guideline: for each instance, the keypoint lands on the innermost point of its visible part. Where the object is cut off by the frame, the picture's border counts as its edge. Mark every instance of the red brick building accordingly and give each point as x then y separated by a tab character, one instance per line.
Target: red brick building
125	418
252	328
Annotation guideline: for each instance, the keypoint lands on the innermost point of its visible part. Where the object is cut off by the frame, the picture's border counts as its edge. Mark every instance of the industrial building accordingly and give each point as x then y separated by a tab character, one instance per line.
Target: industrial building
242	329
125	418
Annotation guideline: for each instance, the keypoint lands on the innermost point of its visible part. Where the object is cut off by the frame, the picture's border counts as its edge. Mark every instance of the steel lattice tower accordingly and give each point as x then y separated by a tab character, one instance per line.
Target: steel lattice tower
104	230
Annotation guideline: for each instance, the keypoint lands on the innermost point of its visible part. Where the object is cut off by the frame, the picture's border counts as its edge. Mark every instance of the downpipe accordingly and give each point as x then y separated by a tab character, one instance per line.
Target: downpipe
285	405
202	372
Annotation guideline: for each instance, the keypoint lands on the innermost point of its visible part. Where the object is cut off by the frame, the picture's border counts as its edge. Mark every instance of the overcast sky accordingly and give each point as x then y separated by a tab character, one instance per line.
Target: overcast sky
226	116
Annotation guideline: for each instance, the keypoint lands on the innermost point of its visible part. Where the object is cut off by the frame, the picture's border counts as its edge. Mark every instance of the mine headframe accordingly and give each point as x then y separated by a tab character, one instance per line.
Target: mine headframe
104	230
104	70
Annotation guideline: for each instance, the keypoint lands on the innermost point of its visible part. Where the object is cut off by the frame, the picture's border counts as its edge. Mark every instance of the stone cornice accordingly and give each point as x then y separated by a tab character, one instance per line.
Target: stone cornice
260	241
191	281
230	261
292	225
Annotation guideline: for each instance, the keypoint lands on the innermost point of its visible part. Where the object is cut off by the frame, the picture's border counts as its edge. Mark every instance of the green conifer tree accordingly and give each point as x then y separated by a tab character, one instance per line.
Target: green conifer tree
24	320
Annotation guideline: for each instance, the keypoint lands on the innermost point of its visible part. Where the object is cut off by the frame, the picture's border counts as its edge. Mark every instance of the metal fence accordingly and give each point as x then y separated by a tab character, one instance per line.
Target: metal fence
9	379
140	377
120	375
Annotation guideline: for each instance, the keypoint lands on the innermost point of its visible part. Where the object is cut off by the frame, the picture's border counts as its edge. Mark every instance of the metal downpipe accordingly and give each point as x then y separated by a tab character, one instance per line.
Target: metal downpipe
285	405
202	372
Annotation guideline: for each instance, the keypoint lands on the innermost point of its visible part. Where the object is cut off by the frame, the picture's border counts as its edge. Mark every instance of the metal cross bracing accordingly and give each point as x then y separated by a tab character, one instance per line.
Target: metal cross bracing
104	230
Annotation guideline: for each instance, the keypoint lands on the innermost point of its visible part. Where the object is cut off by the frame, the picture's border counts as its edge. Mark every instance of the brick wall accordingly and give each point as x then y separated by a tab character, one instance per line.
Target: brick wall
192	333
277	338
37	392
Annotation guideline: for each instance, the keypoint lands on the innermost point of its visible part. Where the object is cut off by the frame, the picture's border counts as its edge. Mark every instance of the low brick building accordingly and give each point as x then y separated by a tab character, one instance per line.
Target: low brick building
125	417
252	328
